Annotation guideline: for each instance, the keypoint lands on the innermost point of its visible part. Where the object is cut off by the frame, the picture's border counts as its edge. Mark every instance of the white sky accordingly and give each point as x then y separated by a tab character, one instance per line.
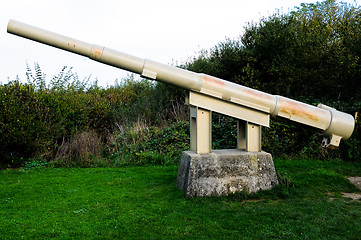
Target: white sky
166	31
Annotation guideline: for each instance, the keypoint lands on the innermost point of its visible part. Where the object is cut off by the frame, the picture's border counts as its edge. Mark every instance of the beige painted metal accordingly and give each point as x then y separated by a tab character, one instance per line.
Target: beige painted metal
249	136
193	128
253	135
249	133
228	108
241	134
334	124
201	132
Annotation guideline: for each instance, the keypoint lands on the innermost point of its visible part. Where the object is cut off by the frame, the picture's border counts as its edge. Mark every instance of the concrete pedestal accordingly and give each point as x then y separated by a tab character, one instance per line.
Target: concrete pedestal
222	172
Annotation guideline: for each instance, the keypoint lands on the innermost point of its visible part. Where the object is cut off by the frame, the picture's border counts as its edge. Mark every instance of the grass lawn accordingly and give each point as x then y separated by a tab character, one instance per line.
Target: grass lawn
144	203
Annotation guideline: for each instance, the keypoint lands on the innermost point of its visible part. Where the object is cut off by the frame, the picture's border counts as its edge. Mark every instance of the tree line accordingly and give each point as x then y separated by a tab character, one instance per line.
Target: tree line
311	54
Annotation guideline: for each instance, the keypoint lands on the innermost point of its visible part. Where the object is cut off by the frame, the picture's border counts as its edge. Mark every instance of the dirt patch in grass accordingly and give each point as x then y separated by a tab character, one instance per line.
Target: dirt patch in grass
356	181
354	196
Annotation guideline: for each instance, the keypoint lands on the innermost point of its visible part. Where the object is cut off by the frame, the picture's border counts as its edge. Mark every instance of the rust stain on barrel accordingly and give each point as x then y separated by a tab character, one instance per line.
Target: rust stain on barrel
298	109
95	53
214	81
71	44
133	58
257	94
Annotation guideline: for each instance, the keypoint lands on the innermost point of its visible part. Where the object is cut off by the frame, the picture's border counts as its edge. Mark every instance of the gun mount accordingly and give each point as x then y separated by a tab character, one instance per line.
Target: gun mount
252	108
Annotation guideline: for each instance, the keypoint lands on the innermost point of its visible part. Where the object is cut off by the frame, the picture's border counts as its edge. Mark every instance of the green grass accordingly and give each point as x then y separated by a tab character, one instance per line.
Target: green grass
144	203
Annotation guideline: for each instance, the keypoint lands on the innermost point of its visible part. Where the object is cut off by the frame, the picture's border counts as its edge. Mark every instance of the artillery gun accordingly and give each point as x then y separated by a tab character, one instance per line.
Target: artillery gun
208	94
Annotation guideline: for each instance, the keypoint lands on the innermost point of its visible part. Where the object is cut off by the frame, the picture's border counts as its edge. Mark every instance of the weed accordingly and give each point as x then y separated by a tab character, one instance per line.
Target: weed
34	164
83	150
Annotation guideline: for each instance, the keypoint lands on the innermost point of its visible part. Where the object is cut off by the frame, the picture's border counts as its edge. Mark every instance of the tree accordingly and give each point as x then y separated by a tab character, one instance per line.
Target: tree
311	54
313	51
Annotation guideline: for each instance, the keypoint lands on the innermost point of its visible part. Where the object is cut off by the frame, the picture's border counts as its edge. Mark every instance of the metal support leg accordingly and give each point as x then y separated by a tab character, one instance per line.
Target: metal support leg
201	126
248	136
241	135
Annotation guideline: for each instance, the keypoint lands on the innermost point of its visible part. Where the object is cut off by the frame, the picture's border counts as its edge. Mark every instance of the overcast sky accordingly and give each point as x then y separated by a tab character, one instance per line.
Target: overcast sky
165	31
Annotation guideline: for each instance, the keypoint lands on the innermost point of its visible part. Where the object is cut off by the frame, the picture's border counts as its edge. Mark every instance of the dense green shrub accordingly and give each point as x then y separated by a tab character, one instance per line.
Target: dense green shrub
24	130
152	102
52	121
141	144
224	132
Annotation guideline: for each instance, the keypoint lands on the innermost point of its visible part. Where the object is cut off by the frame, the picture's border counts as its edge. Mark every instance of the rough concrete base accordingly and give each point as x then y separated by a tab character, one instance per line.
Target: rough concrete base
225	171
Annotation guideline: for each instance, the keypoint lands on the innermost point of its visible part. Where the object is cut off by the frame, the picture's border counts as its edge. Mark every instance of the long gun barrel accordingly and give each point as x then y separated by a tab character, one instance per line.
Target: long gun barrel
335	125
